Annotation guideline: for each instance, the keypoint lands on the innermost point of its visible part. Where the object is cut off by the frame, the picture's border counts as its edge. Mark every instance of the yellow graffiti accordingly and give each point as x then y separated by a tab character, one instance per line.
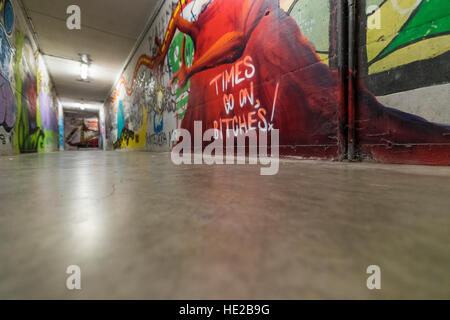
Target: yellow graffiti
425	49
394	15
286	4
391	22
138	142
324	57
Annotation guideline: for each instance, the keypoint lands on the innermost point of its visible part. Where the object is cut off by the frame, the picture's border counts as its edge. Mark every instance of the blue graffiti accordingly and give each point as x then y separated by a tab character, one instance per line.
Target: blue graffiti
8	17
5	54
158	122
61	132
120	120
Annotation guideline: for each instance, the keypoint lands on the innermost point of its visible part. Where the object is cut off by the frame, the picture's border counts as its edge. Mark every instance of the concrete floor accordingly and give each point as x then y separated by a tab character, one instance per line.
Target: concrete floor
140	227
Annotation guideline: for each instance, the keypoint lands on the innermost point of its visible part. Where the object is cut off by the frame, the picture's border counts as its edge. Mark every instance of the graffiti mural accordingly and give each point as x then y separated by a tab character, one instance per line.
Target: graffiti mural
129	138
61	125
7	116
313	19
28	104
405	55
175	63
29	136
80	132
260	65
8	108
409	31
7	16
144	111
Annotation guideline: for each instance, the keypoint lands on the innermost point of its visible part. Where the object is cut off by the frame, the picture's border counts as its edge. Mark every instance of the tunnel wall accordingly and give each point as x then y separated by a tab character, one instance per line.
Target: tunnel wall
404	60
28	102
266	64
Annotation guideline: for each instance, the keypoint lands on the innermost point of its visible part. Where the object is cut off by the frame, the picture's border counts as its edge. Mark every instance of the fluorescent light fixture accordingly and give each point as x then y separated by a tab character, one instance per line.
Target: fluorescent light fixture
84	71
81	105
84	66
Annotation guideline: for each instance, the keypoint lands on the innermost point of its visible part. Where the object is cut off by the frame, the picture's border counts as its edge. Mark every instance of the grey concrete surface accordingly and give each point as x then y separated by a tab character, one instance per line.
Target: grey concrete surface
141	228
430	103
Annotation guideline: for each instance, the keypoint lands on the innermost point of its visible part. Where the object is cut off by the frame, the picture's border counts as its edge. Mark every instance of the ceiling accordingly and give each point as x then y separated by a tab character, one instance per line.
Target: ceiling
72	113
109	32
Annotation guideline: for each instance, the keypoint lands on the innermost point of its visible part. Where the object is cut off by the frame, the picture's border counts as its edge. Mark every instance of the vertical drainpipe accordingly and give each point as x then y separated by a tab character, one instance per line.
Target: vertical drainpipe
340	7
352	73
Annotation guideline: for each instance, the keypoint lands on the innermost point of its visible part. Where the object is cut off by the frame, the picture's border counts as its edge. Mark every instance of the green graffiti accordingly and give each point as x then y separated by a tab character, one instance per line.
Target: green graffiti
51	139
26	138
181	95
315	29
429	19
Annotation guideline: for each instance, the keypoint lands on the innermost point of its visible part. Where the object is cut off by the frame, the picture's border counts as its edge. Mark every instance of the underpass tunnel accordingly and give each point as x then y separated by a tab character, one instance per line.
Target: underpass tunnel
224	149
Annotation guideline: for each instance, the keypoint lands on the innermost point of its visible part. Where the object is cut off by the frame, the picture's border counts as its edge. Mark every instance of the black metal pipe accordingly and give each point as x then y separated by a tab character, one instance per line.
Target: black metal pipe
340	42
351	84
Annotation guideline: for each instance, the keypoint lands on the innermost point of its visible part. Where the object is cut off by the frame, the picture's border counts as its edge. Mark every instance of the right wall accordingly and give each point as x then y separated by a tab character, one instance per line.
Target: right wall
404	60
260	65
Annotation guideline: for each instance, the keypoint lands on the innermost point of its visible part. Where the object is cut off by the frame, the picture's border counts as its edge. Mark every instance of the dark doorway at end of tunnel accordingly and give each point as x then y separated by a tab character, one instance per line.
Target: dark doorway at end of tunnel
81	130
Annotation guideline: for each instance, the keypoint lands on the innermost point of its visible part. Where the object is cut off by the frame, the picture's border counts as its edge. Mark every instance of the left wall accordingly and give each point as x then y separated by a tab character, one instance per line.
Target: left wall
29	107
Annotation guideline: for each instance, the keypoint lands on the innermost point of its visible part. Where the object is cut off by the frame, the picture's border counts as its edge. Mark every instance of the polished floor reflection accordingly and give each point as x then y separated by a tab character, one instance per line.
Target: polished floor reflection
141	228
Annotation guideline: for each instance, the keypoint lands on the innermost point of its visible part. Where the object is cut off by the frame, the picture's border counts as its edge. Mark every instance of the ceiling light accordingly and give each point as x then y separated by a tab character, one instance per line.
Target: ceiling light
84	70
81	105
84	66
84	58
